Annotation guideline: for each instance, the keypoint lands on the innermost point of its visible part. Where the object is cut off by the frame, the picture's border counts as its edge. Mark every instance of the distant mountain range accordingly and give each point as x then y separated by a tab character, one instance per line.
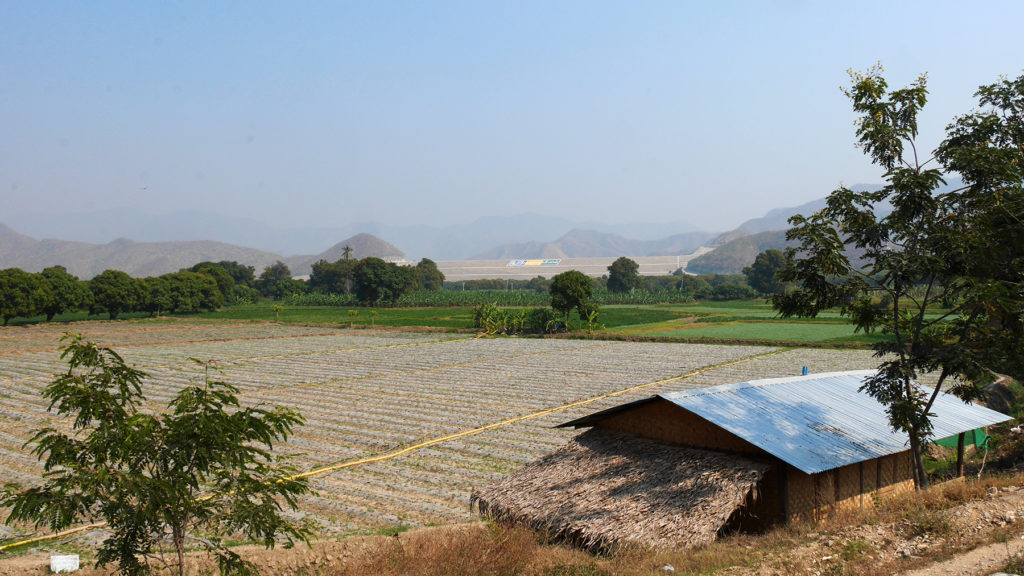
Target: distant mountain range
455	242
513	237
141	259
592	244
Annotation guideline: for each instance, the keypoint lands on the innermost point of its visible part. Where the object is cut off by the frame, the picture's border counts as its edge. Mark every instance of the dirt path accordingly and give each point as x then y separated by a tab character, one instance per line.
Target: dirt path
984	560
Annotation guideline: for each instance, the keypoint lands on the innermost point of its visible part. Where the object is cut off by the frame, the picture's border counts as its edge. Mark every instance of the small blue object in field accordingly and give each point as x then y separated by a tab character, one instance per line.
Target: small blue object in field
804	372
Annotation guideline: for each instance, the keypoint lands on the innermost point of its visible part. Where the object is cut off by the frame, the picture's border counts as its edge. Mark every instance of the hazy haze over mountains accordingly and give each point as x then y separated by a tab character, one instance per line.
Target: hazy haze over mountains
454	242
169	248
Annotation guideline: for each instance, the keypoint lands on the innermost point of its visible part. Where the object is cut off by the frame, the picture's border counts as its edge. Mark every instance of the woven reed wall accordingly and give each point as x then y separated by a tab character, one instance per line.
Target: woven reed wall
813	496
664	421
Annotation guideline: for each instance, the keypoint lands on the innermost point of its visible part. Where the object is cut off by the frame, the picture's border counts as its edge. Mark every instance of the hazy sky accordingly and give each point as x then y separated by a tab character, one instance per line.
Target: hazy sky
437	112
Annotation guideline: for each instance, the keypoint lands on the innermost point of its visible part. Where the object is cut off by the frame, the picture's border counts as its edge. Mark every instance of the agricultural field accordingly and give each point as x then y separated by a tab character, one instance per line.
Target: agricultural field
368	392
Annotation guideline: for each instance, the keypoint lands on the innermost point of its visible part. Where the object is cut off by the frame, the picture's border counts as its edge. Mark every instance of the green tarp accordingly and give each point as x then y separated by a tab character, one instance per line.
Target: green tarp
976	437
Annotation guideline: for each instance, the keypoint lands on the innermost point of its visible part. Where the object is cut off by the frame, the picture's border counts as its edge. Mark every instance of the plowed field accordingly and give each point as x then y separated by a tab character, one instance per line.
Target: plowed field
365	393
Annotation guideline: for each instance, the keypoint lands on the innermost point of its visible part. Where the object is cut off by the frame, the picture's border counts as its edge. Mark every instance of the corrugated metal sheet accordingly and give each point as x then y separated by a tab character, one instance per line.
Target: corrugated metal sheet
814	423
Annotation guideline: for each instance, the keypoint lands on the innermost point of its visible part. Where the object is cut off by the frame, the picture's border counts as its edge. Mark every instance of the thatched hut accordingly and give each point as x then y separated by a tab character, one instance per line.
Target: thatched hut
678	468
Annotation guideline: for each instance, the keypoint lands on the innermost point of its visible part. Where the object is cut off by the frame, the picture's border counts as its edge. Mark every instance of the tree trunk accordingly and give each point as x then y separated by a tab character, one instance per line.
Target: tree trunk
920	476
960	455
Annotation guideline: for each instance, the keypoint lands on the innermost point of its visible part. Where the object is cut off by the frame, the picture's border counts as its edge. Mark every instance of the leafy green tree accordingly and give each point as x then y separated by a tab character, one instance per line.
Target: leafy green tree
276	282
572	289
380	282
962	247
623	276
182	477
241	275
332	277
428	276
192	291
65	292
21	294
159	298
114	292
225	283
761	275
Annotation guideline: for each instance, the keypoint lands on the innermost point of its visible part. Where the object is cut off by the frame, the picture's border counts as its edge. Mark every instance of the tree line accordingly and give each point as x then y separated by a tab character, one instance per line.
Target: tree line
204	286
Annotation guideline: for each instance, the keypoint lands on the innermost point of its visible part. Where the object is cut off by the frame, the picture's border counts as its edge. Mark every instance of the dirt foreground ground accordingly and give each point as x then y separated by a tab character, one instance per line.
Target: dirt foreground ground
978	537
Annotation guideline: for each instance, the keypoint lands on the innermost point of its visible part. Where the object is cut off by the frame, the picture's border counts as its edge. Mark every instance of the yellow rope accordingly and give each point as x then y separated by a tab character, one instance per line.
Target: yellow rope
414	447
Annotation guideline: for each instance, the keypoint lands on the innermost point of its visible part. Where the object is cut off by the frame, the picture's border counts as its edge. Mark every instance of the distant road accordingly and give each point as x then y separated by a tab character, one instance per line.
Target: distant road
455	270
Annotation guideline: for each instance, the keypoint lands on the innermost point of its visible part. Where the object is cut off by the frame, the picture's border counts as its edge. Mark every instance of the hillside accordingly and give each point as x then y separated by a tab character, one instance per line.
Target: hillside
142	259
362	245
733	256
593	244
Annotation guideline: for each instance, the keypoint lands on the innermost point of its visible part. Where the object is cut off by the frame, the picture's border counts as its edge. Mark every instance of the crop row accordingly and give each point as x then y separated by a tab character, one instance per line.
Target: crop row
362	396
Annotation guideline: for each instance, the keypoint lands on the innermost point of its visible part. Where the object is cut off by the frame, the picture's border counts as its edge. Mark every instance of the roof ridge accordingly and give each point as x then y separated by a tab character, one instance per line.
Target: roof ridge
693	393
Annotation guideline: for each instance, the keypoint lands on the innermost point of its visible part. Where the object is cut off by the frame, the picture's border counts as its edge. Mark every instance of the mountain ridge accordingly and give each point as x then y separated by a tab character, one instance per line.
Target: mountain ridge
140	259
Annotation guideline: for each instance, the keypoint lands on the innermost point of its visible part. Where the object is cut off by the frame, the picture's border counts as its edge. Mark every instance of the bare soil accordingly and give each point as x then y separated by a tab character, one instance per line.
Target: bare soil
976	537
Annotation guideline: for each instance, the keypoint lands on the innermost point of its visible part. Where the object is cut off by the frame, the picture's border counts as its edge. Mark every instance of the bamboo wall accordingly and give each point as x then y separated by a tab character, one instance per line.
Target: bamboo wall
667	422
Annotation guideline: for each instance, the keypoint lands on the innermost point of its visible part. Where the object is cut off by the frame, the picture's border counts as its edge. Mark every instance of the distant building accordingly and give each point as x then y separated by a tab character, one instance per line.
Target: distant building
679	468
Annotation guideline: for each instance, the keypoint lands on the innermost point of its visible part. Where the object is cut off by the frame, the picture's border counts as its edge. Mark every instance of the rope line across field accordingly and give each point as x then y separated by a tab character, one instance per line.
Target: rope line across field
445	438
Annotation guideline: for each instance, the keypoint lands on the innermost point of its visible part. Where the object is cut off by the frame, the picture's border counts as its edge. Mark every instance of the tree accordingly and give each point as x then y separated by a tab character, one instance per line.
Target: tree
380	282
115	292
276	282
961	247
159	298
240	274
21	294
186	476
761	274
428	276
623	276
191	292
572	289
332	277
225	283
65	292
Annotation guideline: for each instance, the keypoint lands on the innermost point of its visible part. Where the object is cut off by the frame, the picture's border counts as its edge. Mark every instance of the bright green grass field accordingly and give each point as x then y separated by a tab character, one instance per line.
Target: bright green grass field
772	331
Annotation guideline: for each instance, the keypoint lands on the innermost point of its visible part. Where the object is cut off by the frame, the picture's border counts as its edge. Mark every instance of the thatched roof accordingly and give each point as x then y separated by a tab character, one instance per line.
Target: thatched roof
604	489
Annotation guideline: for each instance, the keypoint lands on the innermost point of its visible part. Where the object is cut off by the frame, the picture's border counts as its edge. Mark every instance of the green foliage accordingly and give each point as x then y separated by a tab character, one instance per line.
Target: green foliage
332	277
240	274
428	276
181	477
539	320
22	294
572	290
623	276
225	283
114	292
961	248
761	275
382	283
65	292
276	282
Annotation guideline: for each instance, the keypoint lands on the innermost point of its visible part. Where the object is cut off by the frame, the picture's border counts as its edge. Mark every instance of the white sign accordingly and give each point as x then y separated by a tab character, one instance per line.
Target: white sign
63	563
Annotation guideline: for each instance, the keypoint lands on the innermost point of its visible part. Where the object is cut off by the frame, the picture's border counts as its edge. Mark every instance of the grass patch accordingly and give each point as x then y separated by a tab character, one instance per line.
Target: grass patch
772	331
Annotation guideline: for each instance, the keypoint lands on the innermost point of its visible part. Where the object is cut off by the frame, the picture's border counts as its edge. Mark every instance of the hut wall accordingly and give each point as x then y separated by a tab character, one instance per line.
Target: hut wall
813	496
664	421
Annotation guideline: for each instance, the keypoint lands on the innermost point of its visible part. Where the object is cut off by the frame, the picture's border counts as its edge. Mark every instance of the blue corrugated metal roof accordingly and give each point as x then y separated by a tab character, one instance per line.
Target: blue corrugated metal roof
814	423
